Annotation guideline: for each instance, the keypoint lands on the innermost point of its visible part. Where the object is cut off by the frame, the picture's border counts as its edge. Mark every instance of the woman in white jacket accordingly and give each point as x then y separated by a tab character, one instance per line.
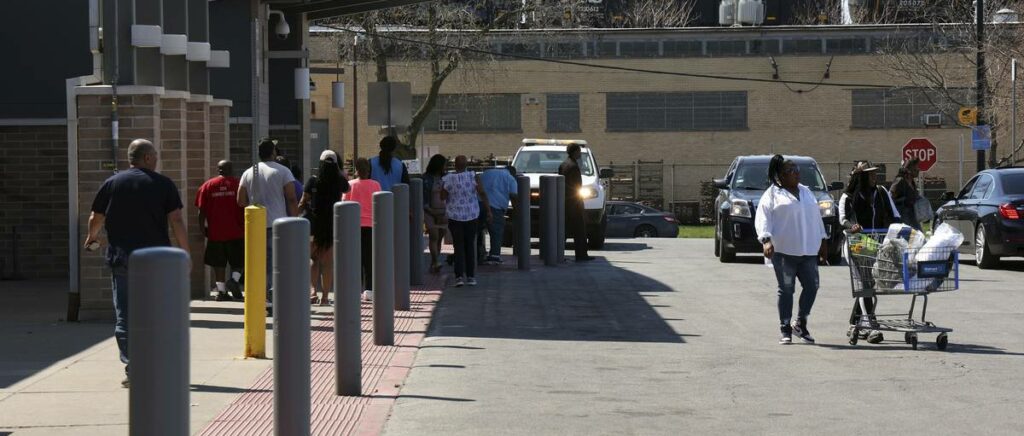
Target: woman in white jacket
789	226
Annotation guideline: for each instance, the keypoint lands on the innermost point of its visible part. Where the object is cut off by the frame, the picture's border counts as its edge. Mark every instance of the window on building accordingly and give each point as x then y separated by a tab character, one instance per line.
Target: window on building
846	46
473	113
638	49
764	47
518	49
904	108
676	111
563	112
801	46
673	49
607	49
727	48
566	50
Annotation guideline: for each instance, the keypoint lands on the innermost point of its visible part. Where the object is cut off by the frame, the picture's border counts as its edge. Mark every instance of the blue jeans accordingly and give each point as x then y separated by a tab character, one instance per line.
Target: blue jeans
497	230
119	282
789	269
464	239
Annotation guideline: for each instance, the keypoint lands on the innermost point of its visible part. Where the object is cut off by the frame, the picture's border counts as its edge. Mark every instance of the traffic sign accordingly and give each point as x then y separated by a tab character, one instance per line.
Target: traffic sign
968	116
981	137
923	149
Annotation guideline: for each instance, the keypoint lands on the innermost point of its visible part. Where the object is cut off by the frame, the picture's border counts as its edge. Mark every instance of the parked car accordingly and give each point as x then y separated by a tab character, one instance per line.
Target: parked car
634	220
989	211
741	189
539	157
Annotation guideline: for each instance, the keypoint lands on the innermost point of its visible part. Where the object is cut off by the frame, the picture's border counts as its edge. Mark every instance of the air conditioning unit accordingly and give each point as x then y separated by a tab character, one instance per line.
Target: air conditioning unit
931	120
448	125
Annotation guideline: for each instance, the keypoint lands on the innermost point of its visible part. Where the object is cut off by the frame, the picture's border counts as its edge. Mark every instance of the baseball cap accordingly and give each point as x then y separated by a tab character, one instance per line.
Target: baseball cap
329	155
863	167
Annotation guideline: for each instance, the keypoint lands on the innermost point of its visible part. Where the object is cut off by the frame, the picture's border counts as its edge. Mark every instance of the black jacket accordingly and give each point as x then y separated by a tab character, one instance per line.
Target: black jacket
873	211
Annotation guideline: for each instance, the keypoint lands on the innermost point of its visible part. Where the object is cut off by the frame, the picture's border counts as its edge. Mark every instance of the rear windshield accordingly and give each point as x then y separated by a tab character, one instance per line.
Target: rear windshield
537	161
755	176
1013	184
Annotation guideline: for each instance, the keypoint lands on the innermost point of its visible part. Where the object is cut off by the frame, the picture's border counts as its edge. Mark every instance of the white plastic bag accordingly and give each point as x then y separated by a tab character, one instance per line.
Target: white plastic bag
944	241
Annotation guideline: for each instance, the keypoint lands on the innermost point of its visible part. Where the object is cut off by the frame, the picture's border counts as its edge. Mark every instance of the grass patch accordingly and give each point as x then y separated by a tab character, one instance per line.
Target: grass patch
707	231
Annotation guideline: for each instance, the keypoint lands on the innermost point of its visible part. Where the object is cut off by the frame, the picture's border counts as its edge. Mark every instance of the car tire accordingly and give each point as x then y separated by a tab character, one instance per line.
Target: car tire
983	254
726	254
595	237
718	236
645	231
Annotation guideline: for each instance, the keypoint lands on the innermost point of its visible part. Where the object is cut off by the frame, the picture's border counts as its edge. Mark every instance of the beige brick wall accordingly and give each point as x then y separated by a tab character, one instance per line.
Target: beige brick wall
197	151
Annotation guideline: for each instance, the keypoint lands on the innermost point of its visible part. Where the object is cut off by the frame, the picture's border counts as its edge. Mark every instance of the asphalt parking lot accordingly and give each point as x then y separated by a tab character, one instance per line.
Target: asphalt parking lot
658	337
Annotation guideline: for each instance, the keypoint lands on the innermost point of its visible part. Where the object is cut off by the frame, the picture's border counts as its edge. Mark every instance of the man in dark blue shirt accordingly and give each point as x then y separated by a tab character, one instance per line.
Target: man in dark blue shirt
135	207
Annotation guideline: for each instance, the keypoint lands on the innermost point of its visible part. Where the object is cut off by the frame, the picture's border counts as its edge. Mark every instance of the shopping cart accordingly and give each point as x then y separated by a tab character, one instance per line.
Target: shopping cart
882	267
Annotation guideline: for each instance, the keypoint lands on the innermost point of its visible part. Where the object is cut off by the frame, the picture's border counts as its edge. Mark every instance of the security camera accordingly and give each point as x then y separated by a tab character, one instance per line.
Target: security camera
281	29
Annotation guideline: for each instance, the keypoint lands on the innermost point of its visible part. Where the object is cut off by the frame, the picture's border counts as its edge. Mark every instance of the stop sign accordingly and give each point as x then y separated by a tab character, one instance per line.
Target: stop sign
922	149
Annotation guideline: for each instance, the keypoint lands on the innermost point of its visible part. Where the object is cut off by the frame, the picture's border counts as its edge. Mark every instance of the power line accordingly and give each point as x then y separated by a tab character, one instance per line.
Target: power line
606	67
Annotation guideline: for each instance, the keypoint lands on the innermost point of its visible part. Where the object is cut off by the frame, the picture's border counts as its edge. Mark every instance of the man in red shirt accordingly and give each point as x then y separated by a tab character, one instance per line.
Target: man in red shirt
223	223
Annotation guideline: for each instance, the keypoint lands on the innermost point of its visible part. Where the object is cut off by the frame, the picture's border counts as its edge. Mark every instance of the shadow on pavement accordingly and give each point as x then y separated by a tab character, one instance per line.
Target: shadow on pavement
593	301
224	389
925	344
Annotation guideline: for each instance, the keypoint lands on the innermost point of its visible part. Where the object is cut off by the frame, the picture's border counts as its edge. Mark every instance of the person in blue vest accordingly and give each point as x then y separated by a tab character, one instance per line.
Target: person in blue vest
387	169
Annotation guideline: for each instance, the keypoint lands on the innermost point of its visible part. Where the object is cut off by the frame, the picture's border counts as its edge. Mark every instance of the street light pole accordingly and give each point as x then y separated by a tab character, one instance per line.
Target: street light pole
979	16
1013	114
355	100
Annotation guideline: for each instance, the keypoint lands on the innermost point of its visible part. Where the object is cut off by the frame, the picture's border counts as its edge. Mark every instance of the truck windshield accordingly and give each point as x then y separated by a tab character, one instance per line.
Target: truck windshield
547	162
755	176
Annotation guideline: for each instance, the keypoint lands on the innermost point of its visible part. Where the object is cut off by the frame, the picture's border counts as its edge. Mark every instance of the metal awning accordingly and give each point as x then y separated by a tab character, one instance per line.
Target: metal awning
317	9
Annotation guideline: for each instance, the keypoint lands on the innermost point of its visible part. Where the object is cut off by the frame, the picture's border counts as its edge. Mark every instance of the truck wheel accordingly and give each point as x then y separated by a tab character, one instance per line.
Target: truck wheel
726	254
595	237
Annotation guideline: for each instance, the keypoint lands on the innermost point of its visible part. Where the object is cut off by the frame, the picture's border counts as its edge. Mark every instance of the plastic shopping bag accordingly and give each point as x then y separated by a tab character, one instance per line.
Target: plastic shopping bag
888	269
943	242
923	210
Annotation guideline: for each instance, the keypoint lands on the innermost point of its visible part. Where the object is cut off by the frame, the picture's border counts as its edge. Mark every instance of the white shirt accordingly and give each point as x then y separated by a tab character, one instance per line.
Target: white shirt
269	190
794	226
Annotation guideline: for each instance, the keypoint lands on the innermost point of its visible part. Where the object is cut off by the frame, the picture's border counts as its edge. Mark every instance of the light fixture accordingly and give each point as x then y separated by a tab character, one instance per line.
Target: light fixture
281	29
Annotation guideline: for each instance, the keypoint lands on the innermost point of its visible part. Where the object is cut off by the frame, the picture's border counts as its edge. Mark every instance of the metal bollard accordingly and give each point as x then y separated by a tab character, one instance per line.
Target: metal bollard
291	327
523	223
416	232
348	364
401	236
255	306
549	216
560	221
383	268
158	340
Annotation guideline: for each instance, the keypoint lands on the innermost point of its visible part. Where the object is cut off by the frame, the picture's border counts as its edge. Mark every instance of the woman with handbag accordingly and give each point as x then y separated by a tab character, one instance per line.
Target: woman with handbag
320	194
905	195
434	216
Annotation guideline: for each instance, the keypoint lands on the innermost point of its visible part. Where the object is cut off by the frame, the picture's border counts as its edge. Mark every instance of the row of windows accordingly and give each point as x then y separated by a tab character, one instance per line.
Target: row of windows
681	111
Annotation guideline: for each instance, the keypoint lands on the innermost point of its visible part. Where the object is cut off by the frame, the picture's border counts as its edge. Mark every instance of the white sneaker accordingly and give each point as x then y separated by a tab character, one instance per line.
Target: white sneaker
459	281
471	281
367	295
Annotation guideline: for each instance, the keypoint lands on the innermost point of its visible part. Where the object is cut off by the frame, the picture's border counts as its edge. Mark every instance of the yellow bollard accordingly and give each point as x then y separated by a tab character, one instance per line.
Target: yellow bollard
255	282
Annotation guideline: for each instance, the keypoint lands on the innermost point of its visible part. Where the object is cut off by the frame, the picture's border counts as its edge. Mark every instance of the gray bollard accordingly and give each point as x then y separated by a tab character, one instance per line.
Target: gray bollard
401	236
549	216
523	223
158	402
348	364
416	232
560	221
291	327
383	268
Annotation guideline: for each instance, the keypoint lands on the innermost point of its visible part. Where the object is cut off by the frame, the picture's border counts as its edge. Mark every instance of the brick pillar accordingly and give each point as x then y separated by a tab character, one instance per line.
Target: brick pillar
197	168
172	142
240	151
139	114
219	139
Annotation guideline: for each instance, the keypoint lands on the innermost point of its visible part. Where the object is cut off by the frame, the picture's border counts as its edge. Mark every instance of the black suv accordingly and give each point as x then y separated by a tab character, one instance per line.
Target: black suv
741	189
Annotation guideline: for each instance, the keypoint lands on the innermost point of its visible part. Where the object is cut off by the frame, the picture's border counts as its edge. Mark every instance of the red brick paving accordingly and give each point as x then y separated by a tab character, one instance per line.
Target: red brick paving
384	371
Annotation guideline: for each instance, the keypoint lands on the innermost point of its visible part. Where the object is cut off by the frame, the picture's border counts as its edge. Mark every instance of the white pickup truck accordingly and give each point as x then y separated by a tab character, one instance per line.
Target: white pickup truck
538	157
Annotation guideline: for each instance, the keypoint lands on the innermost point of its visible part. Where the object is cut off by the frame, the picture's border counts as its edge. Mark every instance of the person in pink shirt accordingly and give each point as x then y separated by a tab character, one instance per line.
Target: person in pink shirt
362	190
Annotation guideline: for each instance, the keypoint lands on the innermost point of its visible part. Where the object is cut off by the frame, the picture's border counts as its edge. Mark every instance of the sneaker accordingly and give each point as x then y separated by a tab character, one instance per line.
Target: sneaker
493	260
875	337
471	281
235	289
800	329
459	281
126	383
787	335
222	296
367	295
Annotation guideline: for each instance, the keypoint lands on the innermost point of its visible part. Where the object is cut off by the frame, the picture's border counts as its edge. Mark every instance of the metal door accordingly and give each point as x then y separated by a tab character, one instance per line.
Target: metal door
319	140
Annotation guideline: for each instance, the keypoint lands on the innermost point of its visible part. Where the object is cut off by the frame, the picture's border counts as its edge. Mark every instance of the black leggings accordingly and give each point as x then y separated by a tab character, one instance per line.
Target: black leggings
366	253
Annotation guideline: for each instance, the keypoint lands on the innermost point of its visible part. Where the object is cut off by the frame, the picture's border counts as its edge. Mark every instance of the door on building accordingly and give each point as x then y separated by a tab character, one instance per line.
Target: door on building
319	140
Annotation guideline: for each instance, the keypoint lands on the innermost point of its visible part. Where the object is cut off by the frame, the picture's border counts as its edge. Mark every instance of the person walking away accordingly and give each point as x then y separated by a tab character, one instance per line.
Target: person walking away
269	184
135	207
295	170
435	218
223	224
789	226
361	191
463	193
501	187
321	192
865	205
904	192
386	169
575	225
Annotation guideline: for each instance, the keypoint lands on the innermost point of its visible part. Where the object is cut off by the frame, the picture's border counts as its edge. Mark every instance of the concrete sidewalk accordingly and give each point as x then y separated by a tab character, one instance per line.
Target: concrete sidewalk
60	378
658	337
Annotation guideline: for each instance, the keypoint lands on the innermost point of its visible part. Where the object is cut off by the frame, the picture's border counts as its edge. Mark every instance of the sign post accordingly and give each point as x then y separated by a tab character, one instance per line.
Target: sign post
981	137
922	149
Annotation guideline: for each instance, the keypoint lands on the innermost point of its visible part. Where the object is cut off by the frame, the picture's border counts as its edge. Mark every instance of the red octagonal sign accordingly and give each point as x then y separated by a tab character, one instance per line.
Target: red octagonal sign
922	149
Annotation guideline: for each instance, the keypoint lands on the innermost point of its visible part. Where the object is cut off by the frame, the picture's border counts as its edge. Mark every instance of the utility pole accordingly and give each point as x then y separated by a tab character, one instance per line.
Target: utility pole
355	99
980	88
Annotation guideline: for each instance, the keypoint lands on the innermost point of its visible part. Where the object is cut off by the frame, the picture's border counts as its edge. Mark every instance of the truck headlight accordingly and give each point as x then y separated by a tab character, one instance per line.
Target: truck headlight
587	192
827	208
740	208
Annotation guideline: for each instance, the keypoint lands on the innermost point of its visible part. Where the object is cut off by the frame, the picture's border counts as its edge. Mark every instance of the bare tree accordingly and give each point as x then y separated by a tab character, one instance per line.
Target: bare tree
658	13
940	60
